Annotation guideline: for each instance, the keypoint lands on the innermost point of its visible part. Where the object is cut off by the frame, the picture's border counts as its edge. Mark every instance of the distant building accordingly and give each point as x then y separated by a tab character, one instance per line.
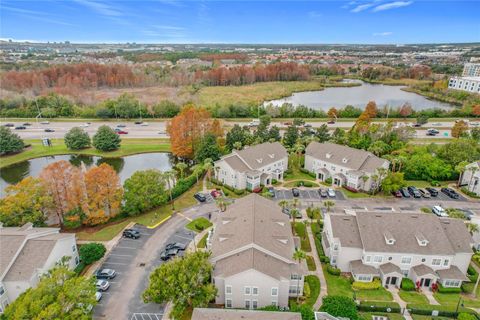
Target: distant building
470	84
471	70
26	253
230	314
470	178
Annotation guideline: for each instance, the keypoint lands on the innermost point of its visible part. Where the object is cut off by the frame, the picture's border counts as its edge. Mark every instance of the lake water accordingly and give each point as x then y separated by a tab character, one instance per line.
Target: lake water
359	96
124	166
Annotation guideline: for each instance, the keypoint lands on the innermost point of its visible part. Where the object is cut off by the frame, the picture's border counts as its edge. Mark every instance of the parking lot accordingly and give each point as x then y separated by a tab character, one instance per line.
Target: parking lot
440	197
306	194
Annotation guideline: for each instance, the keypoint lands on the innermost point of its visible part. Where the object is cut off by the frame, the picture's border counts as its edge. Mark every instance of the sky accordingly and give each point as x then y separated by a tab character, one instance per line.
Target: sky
256	22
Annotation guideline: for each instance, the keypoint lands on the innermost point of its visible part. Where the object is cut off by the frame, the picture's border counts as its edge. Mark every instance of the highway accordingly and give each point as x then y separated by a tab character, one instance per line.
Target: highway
157	129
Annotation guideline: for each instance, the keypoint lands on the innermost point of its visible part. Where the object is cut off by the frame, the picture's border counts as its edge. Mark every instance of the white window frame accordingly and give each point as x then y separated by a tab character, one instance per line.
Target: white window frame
74	248
446	262
406	258
368	258
274	303
248	304
228	303
375	259
255	291
439	262
247	291
276	292
254	304
2	290
227	289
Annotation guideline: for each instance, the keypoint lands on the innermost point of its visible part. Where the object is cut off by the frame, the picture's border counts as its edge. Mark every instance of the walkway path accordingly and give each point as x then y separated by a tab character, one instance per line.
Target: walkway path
403	304
430	297
318	272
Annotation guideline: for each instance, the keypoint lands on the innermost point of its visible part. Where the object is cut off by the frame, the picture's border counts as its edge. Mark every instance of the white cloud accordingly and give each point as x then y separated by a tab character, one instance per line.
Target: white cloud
392	5
101	8
362	7
382	34
315	14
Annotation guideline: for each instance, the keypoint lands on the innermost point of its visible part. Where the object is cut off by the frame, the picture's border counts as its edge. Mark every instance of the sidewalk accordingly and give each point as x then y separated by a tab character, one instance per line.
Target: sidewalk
430	297
403	304
318	272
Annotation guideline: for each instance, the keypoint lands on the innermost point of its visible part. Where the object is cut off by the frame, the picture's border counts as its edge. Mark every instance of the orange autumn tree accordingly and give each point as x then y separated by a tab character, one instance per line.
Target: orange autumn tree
476	110
371	109
104	194
64	183
332	113
188	127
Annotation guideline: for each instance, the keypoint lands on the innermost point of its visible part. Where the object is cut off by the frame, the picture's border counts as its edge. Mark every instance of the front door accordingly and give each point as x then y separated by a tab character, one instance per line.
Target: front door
320	176
426	283
393	281
337	182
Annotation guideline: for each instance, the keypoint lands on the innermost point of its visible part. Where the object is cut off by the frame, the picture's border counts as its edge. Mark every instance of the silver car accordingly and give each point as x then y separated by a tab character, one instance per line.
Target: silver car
102	285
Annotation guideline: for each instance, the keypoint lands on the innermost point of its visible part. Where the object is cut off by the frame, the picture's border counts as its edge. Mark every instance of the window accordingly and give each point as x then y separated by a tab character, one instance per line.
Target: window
377	259
2	291
228	303
368	258
436	262
406	260
274	291
446	262
77	261
274	303
452	283
254	304
335	247
295	277
228	289
247	290
334	260
364	278
293	290
247	304
74	248
255	291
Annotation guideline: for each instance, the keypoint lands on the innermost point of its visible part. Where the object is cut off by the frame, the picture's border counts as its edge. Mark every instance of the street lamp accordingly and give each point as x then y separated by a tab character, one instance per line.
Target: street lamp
460	303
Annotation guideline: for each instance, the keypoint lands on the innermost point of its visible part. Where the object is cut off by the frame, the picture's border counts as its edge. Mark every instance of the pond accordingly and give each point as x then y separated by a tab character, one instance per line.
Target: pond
124	166
359	96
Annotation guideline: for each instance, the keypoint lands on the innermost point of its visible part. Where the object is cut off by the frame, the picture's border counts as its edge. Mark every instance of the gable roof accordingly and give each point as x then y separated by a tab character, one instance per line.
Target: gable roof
231	314
351	158
367	230
255	157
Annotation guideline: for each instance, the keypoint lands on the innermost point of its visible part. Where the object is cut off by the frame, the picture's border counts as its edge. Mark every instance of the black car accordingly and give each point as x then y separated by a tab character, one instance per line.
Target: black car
405	193
414	192
131	233
20	128
433	192
10	125
27	124
432	134
200	197
49	130
323	193
105	274
176	245
295	192
121	125
450	192
168	254
138	122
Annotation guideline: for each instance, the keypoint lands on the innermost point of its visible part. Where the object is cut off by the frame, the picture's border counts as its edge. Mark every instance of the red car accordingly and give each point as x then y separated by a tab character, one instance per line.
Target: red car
122	132
257	190
215	193
397	194
331	122
288	123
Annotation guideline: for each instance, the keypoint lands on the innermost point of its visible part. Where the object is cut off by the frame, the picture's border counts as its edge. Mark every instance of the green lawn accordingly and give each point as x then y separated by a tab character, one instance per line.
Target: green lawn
424	184
391	316
295	183
337	285
413	297
301	231
203	242
314	284
199	224
151	218
380	294
128	147
311	263
420	317
451	299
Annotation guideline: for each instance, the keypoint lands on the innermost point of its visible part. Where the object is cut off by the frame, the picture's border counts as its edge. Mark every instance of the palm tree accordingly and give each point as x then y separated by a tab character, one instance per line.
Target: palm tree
181	166
196	170
460	168
472	227
364	180
299	255
328	204
299	148
237	145
208	166
283	203
294	213
169	178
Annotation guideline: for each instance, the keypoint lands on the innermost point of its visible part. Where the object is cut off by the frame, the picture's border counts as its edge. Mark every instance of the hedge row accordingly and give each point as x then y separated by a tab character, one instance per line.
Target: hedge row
238	192
378	306
445	311
472	274
373	285
333	271
311	174
443	289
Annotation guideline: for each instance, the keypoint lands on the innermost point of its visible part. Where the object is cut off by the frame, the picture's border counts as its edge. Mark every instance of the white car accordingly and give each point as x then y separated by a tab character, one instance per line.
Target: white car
439	211
98	295
331	193
45	122
254	123
144	124
85	125
102	285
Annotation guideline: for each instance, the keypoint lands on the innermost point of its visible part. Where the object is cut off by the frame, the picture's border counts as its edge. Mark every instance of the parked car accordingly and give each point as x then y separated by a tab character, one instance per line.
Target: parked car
102	285
27	124
287	123
215	193
138	122
295	192
98	296
417	125
131	233
397	194
176	245
200	197
49	130
323	193
467	213
84	125
20	128
45	122
168	254
105	274
331	122
424	193
331	193
430	134
439	211
120	131
271	191
432	130
433	192
450	192
405	193
10	125
254	123
414	192
257	190
307	125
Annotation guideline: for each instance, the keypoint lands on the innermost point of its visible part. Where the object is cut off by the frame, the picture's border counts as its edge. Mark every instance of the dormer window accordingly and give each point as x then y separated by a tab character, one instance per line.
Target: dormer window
328	155
422	241
272	155
259	160
344	160
389	239
284	241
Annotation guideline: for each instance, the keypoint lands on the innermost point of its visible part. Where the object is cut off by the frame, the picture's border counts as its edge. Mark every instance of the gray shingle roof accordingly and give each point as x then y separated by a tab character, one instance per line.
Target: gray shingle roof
356	159
231	314
452	273
236	163
389	267
357	267
421	270
345	228
262	154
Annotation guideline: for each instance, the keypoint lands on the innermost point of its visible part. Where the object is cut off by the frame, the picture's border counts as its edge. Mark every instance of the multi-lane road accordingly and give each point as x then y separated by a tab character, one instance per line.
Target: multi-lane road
157	129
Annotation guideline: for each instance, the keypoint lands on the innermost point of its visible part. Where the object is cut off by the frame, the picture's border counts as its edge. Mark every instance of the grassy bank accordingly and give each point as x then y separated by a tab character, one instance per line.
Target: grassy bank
253	94
128	147
397	82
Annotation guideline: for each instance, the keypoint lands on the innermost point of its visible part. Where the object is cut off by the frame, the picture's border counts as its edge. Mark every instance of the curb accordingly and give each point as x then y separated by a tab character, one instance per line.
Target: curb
159	223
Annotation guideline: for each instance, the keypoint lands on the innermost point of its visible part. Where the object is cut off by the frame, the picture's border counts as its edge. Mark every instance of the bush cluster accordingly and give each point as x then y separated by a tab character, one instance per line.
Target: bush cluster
374	285
407	285
377	306
443	289
472	274
333	271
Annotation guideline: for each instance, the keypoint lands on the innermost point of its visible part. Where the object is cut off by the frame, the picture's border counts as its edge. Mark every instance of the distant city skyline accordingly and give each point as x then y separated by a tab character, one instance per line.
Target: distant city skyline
249	22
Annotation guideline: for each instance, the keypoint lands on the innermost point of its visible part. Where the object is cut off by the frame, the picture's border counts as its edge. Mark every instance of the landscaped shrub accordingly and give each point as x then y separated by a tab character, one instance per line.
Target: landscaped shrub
443	289
274	181
443	311
469	193
472	274
306	290
91	252
340	306
328	181
374	285
407	285
466	316
333	271
311	264
324	259
467	287
378	306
